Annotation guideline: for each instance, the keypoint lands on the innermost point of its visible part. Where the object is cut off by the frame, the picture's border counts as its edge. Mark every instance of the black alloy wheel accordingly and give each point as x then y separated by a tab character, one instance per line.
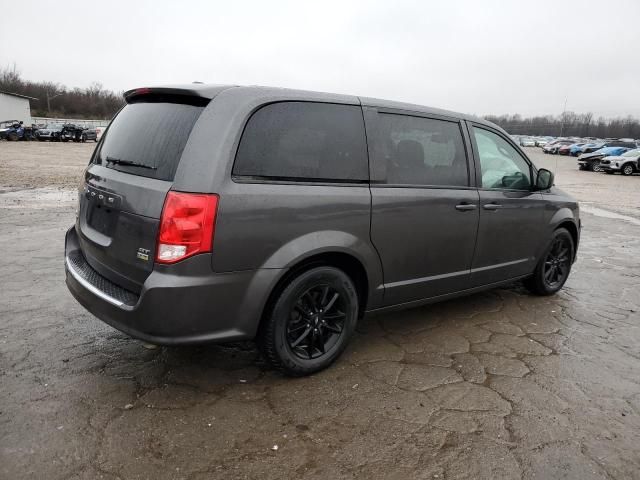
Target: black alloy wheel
558	263
316	322
309	321
554	266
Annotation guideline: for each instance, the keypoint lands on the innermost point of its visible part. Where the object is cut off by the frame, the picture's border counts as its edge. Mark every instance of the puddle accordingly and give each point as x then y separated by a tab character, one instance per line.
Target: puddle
600	212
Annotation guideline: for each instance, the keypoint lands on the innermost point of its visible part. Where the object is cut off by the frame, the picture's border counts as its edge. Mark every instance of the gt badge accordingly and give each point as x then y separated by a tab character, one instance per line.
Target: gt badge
143	254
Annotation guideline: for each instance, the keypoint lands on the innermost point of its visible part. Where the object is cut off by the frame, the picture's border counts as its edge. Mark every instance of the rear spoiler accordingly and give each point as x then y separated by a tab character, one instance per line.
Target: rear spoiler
194	94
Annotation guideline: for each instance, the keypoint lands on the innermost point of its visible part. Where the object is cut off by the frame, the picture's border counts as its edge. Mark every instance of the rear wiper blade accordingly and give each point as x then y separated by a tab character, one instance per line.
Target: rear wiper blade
120	161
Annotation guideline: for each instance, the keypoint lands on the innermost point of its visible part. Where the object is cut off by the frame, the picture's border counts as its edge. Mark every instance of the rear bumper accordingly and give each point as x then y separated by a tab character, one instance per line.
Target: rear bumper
181	304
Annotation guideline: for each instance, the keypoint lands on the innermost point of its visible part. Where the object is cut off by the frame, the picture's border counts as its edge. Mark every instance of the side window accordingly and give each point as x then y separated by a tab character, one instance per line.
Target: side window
422	151
501	165
304	140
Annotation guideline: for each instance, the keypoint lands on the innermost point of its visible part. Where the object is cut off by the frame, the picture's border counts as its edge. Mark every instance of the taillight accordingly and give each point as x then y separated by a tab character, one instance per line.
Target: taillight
187	226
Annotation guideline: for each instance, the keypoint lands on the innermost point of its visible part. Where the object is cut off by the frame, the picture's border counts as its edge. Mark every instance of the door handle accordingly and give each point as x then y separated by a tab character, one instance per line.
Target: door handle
492	206
463	207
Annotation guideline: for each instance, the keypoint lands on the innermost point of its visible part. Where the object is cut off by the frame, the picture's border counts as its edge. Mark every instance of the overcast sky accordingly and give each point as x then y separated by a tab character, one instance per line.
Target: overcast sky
482	57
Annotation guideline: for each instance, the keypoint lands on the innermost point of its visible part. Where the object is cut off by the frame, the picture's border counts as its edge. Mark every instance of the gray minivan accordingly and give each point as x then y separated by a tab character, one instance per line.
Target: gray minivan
225	213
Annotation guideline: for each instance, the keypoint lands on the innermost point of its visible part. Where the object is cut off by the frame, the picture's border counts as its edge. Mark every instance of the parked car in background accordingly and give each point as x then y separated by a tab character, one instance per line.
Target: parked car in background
627	163
76	133
89	134
554	146
591	161
565	149
294	232
576	149
527	142
541	142
591	147
611	143
50	132
99	132
14	130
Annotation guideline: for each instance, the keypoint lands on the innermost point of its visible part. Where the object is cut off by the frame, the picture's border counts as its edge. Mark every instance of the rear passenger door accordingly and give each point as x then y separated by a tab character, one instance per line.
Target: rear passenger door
424	203
511	213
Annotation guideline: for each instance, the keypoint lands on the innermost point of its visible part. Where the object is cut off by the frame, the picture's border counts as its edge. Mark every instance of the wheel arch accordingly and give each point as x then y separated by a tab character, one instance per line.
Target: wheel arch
563	218
348	263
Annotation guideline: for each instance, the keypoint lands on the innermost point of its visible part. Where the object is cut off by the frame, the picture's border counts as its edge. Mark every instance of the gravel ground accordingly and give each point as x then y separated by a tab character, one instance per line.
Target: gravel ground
496	385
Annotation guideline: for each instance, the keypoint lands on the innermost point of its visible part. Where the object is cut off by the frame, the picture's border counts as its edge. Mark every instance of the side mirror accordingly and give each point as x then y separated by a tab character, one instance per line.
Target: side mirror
544	180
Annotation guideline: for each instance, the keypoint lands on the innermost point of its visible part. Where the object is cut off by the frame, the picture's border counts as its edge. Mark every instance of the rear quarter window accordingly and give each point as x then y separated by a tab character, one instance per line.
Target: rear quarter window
151	135
304	141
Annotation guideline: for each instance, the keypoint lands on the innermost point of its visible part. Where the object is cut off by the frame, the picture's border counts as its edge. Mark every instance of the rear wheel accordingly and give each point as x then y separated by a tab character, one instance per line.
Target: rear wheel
554	266
310	323
627	169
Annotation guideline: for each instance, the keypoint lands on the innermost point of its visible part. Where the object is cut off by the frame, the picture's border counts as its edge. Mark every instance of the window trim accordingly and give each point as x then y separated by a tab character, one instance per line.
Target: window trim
378	173
533	171
284	180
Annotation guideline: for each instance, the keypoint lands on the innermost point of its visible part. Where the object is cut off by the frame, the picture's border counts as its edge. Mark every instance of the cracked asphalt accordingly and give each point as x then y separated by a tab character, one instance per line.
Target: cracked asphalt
496	385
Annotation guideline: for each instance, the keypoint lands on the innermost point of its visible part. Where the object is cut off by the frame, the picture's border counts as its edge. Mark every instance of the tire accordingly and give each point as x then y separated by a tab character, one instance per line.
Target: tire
627	169
84	138
307	327
13	137
596	167
554	265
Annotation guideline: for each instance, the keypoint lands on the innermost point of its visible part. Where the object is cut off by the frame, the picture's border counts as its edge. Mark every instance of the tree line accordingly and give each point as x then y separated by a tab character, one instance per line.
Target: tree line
94	102
56	100
569	124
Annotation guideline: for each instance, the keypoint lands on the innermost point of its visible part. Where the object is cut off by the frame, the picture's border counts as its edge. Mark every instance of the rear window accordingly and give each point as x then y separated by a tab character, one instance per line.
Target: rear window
304	141
147	139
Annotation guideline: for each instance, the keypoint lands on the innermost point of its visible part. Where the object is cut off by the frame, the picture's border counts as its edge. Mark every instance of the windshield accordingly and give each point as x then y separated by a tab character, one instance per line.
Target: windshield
147	139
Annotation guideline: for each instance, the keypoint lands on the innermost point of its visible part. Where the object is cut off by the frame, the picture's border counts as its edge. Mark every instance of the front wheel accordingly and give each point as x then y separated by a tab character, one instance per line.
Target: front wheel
554	266
627	169
596	167
311	321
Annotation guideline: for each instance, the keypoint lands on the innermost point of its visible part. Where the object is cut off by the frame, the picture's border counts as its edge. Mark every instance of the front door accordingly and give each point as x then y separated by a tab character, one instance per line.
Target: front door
511	212
424	215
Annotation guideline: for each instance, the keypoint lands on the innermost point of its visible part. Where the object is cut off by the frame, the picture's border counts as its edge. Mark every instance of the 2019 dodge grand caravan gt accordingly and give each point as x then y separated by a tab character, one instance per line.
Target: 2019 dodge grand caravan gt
220	213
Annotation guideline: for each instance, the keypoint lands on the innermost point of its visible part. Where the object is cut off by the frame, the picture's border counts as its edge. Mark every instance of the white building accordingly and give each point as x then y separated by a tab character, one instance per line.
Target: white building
15	107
